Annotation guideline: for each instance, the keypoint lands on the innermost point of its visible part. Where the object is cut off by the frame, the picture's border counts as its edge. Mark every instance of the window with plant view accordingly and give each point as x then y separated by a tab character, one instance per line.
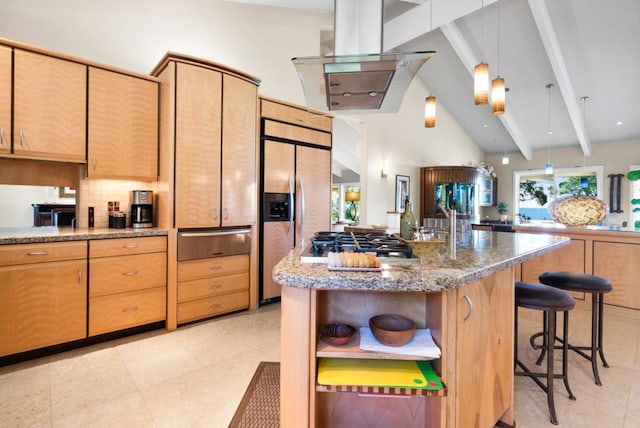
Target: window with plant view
535	190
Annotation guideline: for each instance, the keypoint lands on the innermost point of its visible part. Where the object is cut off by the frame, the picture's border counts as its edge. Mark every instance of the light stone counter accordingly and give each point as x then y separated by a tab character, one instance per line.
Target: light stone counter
478	254
34	235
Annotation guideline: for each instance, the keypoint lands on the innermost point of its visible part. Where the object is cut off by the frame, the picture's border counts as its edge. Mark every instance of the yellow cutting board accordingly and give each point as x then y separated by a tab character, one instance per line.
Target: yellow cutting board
389	373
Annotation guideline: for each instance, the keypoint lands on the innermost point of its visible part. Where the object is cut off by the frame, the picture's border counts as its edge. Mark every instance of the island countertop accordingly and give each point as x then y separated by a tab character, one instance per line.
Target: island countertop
478	254
34	235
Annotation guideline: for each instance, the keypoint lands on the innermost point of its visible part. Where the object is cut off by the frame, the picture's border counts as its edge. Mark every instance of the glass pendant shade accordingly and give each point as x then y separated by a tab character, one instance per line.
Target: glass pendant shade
548	169
497	96
481	83
430	112
505	159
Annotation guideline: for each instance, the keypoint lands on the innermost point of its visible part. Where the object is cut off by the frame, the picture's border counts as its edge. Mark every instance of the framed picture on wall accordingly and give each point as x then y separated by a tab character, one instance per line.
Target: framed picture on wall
402	191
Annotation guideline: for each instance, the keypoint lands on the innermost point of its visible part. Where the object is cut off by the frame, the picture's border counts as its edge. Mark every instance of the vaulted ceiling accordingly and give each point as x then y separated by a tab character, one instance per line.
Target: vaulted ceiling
585	48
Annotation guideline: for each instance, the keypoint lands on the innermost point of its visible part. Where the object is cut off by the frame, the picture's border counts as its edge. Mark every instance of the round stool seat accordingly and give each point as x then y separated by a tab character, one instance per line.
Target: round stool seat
576	282
542	297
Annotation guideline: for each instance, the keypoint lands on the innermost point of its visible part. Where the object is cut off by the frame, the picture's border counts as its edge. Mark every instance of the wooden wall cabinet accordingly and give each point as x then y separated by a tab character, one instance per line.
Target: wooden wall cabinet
128	282
215	148
49	105
123	126
433	176
5	100
43	293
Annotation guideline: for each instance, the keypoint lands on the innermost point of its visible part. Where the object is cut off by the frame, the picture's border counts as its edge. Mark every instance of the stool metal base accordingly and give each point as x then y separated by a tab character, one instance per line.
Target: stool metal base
597	307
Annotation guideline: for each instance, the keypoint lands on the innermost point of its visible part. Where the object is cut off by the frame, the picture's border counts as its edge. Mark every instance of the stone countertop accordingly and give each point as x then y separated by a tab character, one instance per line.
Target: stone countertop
34	235
560	228
478	255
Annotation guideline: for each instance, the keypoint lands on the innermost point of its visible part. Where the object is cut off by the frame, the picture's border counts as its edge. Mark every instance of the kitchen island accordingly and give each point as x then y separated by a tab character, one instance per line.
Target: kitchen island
467	303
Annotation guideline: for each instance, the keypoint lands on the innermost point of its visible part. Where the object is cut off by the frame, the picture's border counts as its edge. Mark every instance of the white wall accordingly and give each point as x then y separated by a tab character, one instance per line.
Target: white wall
258	40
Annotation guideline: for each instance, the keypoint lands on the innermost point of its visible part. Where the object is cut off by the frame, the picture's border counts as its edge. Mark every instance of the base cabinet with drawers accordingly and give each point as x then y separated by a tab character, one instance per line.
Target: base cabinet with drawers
43	295
212	286
127	285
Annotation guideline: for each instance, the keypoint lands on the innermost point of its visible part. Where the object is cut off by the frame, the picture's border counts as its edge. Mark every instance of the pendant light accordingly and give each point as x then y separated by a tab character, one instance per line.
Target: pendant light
498	93
481	71
548	168
430	101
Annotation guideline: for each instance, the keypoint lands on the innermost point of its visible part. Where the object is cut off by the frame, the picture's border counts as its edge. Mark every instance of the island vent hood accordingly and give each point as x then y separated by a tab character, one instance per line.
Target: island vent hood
352	80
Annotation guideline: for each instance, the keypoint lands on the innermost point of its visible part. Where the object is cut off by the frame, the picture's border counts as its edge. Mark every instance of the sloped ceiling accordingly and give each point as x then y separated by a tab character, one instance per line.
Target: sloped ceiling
585	48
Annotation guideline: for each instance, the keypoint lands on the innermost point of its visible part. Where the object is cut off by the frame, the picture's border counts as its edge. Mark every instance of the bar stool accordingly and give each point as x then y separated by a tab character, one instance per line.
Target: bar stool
549	300
596	286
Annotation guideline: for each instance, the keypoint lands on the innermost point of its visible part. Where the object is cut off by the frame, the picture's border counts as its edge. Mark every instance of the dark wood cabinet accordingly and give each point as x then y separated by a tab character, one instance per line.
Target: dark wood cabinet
447	185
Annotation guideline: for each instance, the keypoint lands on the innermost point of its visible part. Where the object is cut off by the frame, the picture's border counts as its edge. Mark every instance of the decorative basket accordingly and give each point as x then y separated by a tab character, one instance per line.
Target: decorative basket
578	210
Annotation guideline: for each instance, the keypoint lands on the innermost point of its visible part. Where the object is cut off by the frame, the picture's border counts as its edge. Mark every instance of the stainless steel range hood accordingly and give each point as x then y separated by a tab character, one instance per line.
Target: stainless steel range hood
358	82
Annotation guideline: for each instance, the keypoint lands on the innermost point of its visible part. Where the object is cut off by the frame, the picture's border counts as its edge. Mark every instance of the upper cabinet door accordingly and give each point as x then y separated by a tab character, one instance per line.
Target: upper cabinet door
279	167
197	157
50	96
239	117
5	99
123	126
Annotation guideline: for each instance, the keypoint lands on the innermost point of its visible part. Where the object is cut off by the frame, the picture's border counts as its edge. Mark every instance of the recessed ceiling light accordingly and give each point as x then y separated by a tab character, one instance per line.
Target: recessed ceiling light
619	123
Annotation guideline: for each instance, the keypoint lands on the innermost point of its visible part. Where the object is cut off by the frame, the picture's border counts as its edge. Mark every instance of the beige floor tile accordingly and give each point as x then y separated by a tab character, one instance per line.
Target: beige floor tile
126	411
156	359
87	380
25	395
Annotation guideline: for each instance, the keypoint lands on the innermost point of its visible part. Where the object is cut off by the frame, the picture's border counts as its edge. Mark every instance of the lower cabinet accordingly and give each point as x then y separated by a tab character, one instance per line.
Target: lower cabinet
128	284
212	286
618	262
43	292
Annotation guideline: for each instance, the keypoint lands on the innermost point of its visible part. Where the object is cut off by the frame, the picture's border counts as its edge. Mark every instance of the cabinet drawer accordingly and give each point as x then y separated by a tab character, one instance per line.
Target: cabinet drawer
199	288
127	273
45	252
210	306
126	246
124	310
295	115
297	133
215	266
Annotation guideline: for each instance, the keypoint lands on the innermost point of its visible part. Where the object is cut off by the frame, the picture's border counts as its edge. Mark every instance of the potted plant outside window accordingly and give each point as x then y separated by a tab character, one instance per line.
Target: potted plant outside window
502	211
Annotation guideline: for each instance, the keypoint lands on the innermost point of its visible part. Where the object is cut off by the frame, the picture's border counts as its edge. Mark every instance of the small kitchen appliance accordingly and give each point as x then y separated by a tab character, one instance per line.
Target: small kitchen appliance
142	209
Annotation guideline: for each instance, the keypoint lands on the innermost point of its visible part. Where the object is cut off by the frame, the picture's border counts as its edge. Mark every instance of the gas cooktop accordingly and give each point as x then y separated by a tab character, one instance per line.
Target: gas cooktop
384	246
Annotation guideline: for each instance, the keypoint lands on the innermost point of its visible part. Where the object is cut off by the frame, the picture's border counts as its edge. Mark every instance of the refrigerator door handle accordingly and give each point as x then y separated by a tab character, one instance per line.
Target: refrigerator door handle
301	209
291	206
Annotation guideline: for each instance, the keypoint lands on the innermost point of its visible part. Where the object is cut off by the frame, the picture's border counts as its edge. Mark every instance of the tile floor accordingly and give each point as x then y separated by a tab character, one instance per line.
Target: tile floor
196	376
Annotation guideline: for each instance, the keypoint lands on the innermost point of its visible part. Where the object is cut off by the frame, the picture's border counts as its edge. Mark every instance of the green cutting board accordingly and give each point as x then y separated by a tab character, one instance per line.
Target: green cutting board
387	373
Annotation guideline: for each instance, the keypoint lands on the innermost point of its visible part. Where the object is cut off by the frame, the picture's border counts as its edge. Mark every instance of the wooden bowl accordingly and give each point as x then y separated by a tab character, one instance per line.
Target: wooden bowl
337	333
392	329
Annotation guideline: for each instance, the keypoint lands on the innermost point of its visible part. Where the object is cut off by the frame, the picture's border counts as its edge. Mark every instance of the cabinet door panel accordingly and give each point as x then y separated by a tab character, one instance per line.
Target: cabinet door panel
124	310
198	134
279	162
5	99
485	350
313	192
239	114
43	304
618	262
277	242
49	107
123	126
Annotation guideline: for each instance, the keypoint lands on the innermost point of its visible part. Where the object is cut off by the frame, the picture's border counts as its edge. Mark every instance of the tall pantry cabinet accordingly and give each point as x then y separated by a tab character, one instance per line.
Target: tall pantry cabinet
296	161
208	167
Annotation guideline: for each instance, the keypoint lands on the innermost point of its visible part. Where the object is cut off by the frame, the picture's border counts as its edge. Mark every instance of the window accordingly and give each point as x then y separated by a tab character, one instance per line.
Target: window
345	203
535	190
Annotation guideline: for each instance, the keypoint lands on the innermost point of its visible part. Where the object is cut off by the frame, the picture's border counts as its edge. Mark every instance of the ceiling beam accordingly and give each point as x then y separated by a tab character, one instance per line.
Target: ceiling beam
469	60
552	47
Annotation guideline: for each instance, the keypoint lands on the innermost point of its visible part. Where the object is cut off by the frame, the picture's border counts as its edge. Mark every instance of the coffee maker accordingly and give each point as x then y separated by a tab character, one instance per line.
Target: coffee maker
142	209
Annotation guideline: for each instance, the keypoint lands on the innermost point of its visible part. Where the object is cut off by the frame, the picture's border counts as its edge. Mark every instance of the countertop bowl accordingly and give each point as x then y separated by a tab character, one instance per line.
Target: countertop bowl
392	329
337	333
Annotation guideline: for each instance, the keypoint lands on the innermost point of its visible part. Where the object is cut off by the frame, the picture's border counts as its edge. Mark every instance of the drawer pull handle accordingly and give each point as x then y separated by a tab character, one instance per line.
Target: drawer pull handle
216	267
215	286
130	309
130	246
215	306
133	272
38	253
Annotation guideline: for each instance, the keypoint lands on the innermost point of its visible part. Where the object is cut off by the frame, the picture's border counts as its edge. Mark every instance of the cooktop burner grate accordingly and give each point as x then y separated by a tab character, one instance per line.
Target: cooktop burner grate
378	243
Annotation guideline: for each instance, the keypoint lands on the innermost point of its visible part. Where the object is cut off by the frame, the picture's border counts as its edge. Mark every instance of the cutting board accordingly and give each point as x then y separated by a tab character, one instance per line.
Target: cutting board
386	373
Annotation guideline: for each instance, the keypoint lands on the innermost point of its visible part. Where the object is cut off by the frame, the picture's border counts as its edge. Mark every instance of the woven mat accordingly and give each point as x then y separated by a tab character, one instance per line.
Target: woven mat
260	405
